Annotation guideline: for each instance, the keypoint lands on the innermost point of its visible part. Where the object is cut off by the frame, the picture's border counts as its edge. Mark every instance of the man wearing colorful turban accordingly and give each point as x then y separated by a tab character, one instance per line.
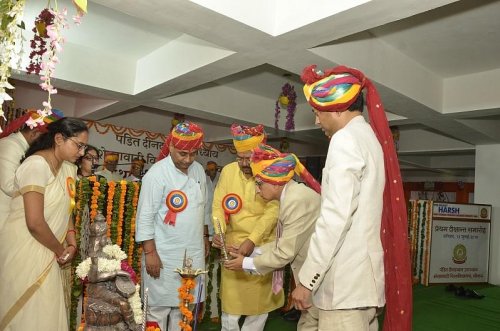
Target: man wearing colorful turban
171	218
13	146
358	259
251	221
299	209
108	170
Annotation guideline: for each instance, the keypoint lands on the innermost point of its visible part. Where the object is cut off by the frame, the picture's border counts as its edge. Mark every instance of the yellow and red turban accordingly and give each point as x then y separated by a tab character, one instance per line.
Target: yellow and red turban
277	168
185	136
110	156
246	138
335	90
31	114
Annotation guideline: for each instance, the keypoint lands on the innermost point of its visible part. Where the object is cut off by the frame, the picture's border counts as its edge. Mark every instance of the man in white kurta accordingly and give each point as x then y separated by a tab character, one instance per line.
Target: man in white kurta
166	243
12	150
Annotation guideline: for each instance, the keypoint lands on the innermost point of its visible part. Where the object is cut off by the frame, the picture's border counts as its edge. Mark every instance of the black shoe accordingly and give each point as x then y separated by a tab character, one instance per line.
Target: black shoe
293	315
473	294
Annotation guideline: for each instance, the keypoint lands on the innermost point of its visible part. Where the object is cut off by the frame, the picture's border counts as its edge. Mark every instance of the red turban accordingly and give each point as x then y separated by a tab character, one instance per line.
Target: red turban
185	136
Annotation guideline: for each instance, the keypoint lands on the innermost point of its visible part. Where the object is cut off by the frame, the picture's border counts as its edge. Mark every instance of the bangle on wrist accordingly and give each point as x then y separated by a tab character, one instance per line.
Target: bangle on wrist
71	245
70	230
146	253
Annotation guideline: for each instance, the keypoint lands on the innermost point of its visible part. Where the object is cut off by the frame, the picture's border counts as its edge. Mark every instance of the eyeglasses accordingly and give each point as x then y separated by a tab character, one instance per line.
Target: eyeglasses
91	158
79	145
258	183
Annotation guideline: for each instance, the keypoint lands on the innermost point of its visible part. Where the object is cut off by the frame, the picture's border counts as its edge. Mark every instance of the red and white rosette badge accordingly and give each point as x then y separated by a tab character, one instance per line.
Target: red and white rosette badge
176	202
71	187
231	204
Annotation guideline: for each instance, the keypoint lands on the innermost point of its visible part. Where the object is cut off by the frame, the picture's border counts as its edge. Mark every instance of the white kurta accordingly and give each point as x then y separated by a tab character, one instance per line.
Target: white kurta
12	149
171	241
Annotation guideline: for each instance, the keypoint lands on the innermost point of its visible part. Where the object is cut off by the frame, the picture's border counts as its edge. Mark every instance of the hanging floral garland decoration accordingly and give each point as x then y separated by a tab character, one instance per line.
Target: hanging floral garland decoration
286	99
11	45
187	285
46	44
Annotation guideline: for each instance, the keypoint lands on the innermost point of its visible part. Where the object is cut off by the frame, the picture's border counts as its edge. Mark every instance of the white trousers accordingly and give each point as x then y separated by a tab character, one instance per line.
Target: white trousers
252	323
167	317
362	319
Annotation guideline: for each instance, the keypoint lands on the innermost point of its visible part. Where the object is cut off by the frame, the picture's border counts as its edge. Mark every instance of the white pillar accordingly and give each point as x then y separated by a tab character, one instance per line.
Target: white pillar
487	191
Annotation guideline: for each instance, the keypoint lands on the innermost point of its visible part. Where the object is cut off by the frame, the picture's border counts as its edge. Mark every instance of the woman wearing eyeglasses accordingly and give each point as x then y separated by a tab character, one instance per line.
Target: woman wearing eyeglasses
38	236
87	163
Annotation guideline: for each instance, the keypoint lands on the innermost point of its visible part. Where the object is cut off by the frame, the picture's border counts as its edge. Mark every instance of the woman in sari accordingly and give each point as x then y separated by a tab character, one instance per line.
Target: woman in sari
38	236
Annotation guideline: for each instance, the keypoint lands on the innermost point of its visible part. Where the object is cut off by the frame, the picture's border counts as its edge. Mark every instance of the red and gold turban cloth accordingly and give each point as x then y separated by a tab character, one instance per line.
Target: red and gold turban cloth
335	90
185	136
277	168
246	138
33	114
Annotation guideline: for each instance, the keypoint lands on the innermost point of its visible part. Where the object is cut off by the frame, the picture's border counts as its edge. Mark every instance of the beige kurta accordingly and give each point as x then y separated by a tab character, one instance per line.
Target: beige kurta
241	293
30	278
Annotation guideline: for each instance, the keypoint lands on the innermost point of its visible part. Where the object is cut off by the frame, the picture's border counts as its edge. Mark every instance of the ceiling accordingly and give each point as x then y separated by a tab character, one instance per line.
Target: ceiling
435	63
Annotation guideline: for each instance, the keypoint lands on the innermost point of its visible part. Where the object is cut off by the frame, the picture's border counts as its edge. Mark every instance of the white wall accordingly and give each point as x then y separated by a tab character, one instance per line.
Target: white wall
487	191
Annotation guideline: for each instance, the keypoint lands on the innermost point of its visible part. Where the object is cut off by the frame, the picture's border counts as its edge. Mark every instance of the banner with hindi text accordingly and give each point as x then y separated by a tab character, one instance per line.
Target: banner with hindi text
130	143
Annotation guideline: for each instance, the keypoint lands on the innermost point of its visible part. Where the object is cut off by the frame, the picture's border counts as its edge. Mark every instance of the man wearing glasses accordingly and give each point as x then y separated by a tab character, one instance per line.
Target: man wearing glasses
247	220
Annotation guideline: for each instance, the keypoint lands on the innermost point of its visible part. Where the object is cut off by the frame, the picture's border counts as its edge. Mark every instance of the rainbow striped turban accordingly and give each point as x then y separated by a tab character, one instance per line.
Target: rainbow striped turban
335	90
31	114
246	138
332	90
185	136
276	168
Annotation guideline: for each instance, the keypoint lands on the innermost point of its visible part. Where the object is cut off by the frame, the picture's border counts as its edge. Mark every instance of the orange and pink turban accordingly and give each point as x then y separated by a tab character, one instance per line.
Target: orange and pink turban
19	122
335	90
274	167
246	138
185	136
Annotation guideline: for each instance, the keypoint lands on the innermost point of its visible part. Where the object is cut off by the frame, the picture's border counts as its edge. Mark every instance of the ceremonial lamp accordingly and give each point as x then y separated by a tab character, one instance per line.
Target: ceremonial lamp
188	275
225	255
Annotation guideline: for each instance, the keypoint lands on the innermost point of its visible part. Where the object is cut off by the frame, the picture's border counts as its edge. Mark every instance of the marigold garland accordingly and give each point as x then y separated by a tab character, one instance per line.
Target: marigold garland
187	284
95	196
109	208
121	209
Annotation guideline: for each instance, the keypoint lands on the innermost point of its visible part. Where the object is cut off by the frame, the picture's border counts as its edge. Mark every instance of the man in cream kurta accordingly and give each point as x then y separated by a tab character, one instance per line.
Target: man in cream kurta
299	209
241	293
165	244
358	255
12	150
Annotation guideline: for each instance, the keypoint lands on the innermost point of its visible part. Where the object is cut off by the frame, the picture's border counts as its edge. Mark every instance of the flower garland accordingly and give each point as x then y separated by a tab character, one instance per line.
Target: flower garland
134	259
136	305
109	208
286	98
95	196
187	284
49	25
121	209
11	45
115	217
